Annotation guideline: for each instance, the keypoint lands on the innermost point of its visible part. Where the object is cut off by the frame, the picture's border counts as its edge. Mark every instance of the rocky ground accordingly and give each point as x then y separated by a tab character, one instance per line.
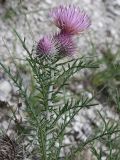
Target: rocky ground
30	19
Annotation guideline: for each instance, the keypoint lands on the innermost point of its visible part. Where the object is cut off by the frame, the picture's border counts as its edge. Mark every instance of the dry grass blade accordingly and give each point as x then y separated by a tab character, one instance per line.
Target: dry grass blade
9	149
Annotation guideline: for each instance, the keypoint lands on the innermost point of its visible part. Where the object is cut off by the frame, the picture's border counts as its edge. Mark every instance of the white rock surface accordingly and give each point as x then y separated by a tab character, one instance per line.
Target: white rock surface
5	89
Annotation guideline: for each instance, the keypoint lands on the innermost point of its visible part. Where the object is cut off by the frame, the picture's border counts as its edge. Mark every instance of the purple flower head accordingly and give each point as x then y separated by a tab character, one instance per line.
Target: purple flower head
45	46
70	19
65	44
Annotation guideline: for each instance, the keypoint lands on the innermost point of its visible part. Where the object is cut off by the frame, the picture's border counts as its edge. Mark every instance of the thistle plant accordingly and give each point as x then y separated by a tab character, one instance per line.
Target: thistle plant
49	109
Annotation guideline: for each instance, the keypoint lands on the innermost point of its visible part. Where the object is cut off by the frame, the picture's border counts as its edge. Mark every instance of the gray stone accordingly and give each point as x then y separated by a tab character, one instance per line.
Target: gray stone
5	89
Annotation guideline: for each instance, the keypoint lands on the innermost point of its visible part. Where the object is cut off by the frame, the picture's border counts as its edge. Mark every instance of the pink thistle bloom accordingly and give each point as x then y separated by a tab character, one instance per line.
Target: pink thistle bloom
45	46
65	44
70	19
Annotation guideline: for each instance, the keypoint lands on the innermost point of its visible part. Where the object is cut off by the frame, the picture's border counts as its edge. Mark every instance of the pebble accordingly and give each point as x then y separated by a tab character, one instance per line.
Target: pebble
5	89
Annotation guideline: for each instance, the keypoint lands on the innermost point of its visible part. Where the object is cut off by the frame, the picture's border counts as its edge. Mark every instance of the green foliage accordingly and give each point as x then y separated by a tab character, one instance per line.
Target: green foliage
49	111
105	79
106	83
109	143
10	13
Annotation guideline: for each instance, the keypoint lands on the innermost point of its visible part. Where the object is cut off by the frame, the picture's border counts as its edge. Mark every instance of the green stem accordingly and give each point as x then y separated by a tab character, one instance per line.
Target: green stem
81	147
